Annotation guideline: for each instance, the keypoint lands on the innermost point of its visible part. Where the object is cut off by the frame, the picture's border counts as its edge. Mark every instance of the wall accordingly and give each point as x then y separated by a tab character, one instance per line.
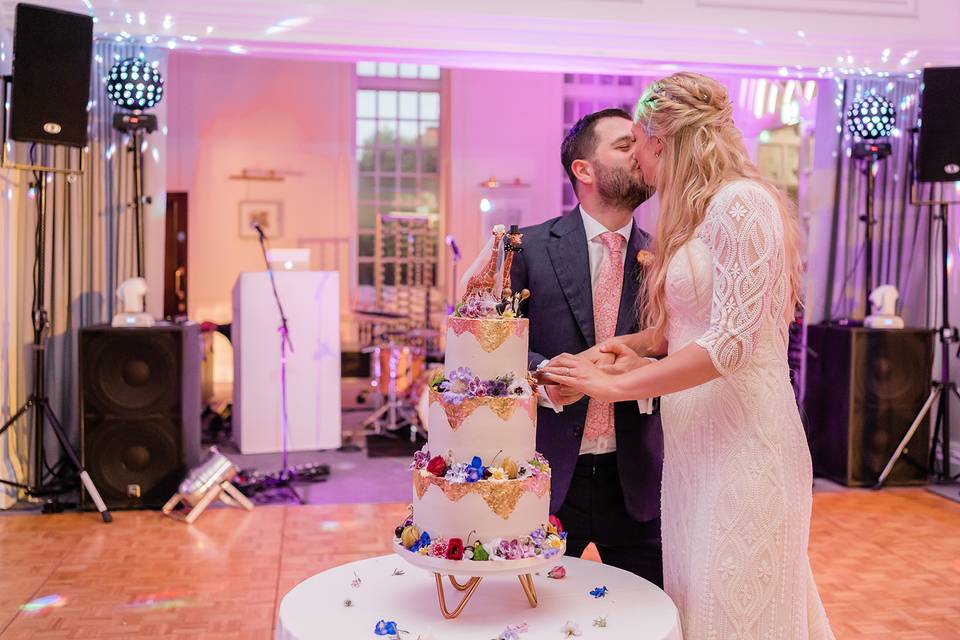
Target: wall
296	117
232	113
507	124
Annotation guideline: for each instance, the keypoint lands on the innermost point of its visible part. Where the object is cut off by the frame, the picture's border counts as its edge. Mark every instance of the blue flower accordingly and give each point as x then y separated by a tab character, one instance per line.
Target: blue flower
474	470
599	592
424	541
386	628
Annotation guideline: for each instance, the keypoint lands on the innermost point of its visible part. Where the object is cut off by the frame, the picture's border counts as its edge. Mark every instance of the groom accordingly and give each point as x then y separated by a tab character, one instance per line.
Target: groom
582	271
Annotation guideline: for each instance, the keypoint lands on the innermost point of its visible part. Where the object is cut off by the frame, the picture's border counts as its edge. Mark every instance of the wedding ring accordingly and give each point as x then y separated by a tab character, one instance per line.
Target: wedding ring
566	371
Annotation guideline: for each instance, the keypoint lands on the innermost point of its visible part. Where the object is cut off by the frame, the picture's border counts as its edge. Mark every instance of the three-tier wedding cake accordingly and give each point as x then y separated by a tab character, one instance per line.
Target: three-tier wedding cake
481	492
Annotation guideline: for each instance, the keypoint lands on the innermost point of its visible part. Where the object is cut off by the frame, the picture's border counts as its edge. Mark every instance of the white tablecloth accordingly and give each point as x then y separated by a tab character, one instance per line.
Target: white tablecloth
634	609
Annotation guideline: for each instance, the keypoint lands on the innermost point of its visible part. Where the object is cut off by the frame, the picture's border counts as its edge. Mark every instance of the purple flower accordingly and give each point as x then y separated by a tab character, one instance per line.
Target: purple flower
459	380
538	536
478	306
457	472
509	549
452	398
513	631
477	388
420	459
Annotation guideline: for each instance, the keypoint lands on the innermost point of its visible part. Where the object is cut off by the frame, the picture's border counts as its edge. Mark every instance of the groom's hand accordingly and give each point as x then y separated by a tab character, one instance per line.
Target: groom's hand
560	395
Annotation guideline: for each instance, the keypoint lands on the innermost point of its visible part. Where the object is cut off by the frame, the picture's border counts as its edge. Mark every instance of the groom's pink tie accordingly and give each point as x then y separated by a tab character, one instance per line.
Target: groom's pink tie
606	306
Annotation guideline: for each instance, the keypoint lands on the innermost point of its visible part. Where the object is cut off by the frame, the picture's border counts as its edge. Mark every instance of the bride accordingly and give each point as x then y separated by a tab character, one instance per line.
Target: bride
737	474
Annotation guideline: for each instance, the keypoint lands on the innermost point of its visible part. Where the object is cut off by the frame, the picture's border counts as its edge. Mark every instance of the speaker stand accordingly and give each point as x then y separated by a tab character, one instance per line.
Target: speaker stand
37	400
942	388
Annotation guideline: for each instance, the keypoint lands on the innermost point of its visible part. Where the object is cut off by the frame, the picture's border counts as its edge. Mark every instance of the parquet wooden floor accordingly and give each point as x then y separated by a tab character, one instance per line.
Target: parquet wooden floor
887	564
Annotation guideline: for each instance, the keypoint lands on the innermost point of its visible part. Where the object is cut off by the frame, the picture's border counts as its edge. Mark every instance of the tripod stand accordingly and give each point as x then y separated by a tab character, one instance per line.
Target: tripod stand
944	387
38	400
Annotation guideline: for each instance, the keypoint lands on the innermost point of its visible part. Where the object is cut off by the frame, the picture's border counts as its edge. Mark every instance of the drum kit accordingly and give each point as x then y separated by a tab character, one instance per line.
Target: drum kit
400	374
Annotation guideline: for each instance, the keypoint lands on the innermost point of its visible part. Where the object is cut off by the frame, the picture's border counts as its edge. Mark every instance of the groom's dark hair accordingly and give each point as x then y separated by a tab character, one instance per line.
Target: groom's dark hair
581	142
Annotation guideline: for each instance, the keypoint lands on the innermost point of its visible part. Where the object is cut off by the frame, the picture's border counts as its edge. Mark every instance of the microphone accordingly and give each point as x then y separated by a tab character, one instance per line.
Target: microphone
453	247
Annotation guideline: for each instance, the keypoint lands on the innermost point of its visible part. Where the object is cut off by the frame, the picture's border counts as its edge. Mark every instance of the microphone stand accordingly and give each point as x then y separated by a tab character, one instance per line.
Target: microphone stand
284	478
452	243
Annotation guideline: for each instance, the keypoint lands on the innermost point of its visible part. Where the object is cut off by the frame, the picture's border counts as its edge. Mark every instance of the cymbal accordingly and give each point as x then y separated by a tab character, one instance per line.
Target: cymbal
425	334
380	314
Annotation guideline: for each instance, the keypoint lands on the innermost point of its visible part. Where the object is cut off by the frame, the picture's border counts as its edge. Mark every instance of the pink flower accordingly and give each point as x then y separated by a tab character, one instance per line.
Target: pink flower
559	572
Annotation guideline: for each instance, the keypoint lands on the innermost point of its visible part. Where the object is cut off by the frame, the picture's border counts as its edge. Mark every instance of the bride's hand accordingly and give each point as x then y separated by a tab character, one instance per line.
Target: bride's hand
623	358
580	374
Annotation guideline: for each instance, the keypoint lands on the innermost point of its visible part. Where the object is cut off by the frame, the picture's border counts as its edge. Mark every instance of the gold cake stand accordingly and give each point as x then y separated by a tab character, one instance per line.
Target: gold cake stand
440	567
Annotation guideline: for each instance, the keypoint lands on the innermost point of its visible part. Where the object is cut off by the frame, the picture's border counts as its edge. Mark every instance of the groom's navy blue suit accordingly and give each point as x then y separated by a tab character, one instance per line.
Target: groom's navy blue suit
611	499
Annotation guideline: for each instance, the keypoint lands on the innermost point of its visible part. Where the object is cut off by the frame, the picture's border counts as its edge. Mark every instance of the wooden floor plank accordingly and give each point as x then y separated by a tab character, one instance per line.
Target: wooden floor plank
887	564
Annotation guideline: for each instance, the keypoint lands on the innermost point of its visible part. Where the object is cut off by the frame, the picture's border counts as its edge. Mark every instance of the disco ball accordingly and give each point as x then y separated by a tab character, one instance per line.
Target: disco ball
135	84
871	117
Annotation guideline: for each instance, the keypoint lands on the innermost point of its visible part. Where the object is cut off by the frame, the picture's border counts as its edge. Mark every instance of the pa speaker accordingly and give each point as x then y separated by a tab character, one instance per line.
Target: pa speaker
938	150
864	388
52	53
140	410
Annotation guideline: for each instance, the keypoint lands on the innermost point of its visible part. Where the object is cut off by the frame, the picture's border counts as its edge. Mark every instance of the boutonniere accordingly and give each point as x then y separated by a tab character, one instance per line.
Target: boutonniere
644	258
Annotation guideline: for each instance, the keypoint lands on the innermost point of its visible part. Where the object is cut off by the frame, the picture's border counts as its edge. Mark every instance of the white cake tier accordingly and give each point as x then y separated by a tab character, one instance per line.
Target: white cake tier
483	427
472	515
489	347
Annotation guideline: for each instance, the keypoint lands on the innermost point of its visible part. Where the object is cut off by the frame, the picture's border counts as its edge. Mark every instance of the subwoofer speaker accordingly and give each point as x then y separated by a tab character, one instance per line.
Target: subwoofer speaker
938	150
864	388
140	408
52	53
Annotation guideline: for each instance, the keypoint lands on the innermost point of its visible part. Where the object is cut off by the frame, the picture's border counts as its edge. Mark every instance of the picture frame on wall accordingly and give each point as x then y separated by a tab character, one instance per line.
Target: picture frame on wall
266	212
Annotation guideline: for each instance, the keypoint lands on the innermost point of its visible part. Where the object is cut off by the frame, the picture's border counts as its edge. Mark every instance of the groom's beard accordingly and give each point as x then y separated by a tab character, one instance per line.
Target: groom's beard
621	188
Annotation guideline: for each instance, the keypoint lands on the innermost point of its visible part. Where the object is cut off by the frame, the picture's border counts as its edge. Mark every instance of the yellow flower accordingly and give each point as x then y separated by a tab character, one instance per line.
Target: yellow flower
497	473
551	530
554	542
409	536
644	258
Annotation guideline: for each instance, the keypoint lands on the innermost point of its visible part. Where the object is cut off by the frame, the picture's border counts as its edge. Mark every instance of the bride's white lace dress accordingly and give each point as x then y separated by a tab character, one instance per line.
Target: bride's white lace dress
737	475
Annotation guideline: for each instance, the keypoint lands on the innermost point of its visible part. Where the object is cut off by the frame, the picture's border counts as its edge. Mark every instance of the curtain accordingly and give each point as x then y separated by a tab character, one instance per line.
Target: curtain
901	248
89	250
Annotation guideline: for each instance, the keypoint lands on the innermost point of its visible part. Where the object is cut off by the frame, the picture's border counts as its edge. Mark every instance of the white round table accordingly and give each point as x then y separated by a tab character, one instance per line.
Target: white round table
633	608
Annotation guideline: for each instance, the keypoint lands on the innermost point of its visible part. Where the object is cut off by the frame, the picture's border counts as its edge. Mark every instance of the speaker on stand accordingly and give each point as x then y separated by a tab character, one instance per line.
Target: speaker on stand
140	410
47	105
937	166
